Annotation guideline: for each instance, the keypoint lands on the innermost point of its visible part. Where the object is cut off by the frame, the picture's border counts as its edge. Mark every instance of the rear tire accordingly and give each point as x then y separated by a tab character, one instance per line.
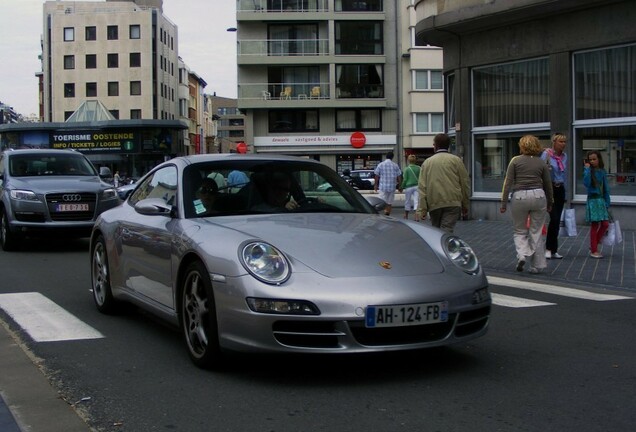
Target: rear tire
198	318
100	278
8	239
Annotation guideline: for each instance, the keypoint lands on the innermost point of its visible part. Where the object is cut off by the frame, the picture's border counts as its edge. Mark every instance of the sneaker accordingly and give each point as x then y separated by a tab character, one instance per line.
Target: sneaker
534	270
556	256
596	255
548	254
520	264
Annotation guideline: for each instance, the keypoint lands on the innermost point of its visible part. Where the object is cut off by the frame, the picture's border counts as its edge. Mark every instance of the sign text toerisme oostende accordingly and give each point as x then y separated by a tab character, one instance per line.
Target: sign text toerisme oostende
90	141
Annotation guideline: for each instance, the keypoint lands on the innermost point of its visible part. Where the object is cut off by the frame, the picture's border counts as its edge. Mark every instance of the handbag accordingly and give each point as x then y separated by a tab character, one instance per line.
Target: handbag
567	226
613	236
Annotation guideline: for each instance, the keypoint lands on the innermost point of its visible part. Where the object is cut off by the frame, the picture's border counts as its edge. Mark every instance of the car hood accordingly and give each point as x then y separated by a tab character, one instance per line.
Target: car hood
53	184
345	245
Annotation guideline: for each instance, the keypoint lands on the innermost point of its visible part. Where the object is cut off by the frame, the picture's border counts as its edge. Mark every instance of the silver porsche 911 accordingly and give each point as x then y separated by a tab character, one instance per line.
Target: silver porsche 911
253	253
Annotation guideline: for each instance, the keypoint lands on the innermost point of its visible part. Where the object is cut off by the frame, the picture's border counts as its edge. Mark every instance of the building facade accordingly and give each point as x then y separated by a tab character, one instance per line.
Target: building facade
230	125
538	67
319	78
122	53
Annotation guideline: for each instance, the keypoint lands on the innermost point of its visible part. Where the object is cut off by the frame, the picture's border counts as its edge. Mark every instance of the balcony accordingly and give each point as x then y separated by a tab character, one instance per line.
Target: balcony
282	6
282	47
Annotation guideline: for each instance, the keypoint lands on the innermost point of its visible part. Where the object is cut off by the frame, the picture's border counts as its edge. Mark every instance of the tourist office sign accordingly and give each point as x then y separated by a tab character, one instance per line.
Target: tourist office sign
95	141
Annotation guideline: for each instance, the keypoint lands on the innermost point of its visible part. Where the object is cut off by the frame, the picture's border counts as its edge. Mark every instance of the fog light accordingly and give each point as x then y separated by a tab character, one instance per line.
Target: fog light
286	307
481	295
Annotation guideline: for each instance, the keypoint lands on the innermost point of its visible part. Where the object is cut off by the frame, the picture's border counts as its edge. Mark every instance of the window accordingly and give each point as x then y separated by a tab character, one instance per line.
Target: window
358	119
69	34
135	88
135	31
114	113
69	62
451	115
293	39
293	121
113	60
428	80
91	61
300	79
113	88
91	89
69	90
161	184
135	114
358	6
237	133
135	59
359	37
511	93
67	114
493	152
112	32
604	109
428	123
359	81
91	33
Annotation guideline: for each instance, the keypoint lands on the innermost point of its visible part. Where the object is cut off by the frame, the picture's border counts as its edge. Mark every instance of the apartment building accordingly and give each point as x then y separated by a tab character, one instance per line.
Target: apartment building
122	53
230	125
538	67
319	78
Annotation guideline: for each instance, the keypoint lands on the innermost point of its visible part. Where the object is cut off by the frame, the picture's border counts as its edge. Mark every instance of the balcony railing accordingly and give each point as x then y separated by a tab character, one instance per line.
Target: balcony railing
283	47
282	5
284	91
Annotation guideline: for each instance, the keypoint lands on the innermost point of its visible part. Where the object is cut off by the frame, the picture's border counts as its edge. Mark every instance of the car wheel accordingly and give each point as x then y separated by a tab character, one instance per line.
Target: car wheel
100	278
9	240
198	317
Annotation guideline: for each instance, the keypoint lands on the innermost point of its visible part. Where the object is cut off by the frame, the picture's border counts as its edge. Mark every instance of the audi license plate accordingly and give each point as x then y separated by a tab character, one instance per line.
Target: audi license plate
406	315
71	207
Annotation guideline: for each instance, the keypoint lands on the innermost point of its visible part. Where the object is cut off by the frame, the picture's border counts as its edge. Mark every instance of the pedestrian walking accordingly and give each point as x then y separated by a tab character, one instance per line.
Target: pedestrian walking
557	161
410	178
116	179
388	176
528	178
598	199
443	187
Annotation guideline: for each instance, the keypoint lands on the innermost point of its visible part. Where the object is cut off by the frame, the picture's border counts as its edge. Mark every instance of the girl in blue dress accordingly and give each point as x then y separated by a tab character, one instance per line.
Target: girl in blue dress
598	200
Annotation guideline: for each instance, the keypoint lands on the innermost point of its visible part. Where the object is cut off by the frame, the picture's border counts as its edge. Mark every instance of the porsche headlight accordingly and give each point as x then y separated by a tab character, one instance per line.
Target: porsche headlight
265	262
461	254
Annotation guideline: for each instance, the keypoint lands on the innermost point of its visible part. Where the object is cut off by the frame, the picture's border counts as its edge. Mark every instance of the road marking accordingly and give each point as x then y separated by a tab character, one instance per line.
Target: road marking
44	320
555	289
516	302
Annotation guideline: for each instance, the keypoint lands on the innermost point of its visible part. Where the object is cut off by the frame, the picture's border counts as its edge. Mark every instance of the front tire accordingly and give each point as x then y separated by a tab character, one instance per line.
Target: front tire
8	240
198	317
100	278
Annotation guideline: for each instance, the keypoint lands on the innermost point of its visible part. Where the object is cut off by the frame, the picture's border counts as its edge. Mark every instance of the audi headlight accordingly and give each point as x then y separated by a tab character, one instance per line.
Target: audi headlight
24	195
461	254
265	262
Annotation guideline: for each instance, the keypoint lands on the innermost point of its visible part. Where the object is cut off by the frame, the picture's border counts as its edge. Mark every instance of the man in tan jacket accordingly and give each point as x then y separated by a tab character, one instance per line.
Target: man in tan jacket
443	186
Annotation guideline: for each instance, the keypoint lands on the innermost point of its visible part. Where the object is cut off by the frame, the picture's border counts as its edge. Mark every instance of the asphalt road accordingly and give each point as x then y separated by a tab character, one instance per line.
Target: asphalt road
551	362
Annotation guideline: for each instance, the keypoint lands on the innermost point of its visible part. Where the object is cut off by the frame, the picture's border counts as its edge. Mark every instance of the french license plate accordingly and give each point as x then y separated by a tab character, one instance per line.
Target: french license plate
71	207
406	315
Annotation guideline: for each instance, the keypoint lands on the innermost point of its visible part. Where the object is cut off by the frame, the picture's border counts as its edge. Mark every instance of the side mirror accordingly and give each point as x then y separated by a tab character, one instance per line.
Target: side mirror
153	207
377	203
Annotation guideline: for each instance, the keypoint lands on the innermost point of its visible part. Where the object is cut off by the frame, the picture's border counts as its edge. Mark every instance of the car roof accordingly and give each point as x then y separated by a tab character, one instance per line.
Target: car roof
10	152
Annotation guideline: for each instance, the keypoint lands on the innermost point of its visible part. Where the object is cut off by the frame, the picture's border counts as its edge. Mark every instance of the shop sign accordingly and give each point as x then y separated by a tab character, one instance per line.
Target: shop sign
87	141
358	140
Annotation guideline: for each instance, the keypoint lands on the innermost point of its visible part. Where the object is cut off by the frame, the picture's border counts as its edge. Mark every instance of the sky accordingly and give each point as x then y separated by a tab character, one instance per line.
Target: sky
205	46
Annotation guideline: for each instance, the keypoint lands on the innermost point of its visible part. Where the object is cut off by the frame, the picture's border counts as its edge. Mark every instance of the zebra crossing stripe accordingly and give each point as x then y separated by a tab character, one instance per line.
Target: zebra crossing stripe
44	320
516	302
555	289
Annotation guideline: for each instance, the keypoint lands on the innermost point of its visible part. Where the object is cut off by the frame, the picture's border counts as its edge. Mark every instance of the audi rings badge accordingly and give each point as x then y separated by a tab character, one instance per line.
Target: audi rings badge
71	197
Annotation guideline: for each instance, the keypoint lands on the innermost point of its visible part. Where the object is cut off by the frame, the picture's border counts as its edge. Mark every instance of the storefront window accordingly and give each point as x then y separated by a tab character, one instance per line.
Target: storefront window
493	152
617	145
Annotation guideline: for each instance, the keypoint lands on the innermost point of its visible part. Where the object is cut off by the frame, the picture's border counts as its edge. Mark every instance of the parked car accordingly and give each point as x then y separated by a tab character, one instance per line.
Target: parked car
49	191
269	267
362	179
125	190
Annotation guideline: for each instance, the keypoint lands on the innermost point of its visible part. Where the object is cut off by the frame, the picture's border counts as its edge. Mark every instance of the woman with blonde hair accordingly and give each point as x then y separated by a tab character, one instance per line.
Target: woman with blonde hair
528	179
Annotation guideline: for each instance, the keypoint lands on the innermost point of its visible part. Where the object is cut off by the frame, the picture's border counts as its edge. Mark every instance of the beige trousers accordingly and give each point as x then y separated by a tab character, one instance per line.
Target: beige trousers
529	242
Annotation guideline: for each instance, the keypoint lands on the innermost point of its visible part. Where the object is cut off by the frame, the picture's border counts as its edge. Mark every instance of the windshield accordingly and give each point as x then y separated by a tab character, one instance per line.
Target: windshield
50	165
262	187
